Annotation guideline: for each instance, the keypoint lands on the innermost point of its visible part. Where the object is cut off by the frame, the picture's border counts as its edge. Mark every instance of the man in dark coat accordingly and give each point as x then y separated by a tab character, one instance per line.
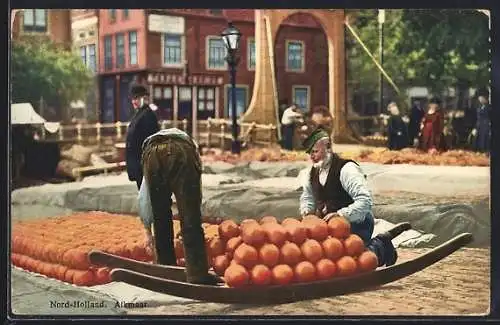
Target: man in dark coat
483	125
417	113
397	131
143	124
338	187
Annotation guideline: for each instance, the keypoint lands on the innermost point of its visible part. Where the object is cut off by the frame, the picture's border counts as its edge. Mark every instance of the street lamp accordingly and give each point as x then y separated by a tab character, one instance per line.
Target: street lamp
231	36
381	20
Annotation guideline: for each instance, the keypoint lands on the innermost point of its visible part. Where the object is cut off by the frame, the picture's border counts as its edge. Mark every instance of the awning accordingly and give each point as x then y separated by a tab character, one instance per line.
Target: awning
24	113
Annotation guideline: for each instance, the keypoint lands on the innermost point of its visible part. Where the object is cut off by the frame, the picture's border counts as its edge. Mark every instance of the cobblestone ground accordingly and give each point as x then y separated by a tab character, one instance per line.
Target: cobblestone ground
457	285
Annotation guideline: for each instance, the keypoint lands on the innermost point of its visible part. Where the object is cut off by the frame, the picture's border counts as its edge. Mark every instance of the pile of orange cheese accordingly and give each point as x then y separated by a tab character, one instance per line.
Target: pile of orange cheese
58	247
267	252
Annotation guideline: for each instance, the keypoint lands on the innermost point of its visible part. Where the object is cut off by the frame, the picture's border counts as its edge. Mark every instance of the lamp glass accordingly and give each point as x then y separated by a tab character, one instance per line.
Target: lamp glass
231	37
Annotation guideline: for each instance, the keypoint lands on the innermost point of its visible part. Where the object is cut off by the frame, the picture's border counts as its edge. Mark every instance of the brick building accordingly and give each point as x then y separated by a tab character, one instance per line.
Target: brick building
179	53
52	23
85	43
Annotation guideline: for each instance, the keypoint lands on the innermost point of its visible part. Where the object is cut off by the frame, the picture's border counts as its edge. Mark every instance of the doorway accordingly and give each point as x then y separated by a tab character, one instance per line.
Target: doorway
163	98
185	105
206	103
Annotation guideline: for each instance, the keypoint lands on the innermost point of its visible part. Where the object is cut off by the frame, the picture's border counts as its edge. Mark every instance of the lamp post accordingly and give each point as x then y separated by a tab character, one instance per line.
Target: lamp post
381	20
231	36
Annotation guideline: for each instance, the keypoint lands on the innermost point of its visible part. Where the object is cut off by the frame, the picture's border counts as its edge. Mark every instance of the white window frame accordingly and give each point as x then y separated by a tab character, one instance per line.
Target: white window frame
294	88
226	99
303	63
87	56
46	23
183	51
251	40
204	99
184	94
207	53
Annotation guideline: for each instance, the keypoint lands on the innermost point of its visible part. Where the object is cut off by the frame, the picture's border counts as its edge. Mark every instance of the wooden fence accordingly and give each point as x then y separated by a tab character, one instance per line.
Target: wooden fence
210	132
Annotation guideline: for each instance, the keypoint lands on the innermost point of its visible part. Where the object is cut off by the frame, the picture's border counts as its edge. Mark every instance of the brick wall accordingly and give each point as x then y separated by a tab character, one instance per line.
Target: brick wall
135	22
58	27
315	73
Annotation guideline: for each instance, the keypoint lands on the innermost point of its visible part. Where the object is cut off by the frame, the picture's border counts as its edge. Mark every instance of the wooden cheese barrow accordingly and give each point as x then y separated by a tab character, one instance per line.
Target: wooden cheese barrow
171	280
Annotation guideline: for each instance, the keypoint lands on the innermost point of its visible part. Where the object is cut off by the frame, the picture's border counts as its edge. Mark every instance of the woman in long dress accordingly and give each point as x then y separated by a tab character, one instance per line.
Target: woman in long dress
431	136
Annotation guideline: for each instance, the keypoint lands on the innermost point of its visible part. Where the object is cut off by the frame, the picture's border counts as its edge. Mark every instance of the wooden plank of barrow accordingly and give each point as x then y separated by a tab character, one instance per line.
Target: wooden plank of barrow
293	292
172	272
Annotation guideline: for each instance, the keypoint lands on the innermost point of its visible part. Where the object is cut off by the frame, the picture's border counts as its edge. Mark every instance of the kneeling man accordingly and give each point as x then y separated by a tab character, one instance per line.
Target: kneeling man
336	185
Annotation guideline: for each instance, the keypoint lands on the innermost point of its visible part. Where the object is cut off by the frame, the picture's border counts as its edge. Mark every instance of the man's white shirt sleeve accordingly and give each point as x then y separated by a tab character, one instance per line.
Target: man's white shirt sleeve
354	183
307	202
145	208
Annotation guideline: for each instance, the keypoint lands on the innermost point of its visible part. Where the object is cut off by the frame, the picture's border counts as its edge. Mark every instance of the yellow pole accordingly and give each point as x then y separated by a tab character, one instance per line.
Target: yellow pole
372	57
270	46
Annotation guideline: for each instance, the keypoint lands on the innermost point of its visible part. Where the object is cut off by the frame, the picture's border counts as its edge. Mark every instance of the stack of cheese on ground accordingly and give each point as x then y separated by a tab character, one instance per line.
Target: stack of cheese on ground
58	247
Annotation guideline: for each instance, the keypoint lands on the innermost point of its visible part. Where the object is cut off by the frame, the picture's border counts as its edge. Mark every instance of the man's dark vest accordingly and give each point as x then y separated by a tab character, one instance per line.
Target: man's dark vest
332	194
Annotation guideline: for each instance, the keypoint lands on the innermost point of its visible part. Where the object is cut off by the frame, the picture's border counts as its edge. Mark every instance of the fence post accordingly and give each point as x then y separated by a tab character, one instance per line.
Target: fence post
61	132
79	133
44	134
98	131
209	132
118	130
252	132
222	135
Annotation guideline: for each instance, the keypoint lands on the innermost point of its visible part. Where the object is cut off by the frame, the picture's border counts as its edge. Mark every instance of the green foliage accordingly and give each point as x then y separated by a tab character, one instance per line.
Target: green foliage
39	68
431	48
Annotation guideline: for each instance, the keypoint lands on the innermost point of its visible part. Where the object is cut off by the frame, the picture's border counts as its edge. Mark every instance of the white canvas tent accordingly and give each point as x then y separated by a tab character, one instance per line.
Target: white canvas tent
24	114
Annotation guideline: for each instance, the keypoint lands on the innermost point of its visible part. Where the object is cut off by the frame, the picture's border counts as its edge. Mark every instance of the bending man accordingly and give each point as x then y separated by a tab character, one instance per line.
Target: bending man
335	185
172	164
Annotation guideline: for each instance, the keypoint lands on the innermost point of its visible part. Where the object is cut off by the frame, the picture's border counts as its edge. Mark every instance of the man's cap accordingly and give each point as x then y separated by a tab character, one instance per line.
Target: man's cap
318	134
138	91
